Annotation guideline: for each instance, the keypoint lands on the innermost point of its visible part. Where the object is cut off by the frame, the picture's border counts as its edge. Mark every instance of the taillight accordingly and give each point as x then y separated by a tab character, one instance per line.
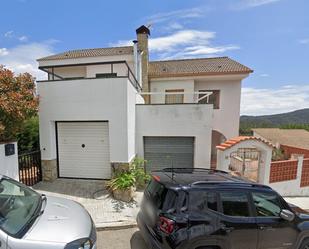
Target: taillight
166	225
157	178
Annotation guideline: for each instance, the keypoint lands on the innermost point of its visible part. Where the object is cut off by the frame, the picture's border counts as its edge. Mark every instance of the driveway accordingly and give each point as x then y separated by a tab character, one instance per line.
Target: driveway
92	194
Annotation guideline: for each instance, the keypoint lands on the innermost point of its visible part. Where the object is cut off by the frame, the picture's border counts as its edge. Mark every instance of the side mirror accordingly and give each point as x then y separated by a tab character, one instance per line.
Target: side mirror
287	215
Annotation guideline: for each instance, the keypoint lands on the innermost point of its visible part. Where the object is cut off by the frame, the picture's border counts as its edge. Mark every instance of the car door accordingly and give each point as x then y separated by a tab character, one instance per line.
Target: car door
274	232
3	240
238	226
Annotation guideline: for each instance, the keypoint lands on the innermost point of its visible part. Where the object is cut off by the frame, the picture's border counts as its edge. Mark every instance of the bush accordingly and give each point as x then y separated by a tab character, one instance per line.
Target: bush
135	176
123	181
28	136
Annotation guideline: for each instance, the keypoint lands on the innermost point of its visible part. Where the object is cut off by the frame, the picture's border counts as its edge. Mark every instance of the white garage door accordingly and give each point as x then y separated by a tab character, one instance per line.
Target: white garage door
83	150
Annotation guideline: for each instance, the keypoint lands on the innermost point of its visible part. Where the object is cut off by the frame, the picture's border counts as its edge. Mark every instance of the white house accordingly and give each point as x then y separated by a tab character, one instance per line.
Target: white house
102	107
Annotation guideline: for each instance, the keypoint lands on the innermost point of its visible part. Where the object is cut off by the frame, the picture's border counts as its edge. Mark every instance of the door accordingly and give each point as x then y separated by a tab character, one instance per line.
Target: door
274	232
238	226
3	240
83	150
168	152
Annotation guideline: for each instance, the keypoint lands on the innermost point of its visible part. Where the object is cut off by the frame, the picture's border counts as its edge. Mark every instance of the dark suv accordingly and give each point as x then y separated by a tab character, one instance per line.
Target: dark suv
199	209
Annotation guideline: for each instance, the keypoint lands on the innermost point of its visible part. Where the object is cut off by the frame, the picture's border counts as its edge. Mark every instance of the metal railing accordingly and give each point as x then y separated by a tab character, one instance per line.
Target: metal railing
191	97
109	72
30	170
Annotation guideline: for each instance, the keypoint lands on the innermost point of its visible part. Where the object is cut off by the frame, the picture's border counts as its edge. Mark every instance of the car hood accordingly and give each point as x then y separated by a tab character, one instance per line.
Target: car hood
62	221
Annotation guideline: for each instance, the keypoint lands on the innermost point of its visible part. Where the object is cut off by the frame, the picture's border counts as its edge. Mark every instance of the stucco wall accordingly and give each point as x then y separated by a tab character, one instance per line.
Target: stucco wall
161	86
9	164
226	118
89	100
177	120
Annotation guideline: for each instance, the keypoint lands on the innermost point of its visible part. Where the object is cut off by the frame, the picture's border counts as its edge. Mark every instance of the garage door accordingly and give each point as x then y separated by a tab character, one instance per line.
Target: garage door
167	152
83	150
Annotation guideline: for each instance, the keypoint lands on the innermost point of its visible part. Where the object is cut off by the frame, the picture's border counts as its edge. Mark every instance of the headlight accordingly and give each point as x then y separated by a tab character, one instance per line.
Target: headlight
79	244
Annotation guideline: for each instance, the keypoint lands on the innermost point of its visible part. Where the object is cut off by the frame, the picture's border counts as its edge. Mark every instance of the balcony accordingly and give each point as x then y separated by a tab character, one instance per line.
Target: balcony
89	71
176	97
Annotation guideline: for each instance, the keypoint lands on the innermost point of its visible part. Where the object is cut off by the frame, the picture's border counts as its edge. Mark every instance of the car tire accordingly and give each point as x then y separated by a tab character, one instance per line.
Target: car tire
304	244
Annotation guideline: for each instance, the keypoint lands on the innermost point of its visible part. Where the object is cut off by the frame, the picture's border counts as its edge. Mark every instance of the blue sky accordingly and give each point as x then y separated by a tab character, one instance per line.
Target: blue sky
270	36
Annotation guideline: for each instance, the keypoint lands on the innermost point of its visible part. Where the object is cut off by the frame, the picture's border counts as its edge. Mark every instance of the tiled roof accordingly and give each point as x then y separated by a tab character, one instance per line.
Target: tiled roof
231	142
292	137
191	67
93	52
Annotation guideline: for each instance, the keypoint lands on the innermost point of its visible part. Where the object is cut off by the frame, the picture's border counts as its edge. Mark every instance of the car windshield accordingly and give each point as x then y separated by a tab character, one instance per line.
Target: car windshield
18	204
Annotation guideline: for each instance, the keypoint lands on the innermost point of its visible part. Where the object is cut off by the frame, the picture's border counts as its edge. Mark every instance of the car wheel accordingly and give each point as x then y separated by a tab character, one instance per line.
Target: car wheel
304	244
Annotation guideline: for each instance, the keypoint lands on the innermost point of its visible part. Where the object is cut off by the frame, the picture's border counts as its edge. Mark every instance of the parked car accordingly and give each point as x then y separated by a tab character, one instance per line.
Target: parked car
199	209
29	220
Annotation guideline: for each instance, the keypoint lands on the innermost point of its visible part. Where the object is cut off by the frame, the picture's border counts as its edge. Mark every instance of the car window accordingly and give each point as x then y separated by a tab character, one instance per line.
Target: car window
17	205
266	204
235	203
201	201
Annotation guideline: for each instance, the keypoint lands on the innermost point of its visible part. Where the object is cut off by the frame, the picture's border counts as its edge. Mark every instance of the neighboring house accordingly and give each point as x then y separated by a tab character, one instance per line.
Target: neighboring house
291	141
99	108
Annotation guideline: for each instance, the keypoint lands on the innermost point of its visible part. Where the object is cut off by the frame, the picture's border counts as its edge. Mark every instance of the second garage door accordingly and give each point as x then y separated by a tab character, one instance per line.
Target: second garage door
167	152
83	150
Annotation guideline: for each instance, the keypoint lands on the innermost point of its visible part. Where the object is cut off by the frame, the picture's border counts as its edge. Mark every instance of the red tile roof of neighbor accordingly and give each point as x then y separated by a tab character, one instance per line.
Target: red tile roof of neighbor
298	138
233	141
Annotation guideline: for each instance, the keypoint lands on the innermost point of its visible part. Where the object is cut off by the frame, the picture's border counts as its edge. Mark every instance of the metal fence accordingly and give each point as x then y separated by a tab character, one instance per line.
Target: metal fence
30	170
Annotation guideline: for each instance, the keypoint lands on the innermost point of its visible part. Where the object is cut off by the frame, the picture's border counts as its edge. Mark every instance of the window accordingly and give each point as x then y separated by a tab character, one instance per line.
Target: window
235	204
174	98
201	201
267	204
18	204
214	98
106	75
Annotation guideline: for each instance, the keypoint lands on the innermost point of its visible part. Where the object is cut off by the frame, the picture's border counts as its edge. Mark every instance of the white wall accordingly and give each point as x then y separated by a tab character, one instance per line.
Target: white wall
226	118
9	164
177	120
67	72
292	187
162	85
89	99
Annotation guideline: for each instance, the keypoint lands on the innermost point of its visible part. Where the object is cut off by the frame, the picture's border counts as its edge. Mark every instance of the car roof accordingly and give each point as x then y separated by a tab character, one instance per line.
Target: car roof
201	178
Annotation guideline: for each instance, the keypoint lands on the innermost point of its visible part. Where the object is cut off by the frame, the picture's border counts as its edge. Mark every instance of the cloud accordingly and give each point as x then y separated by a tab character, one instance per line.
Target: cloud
263	101
22	58
23	38
304	41
186	43
264	75
176	15
3	52
9	34
246	4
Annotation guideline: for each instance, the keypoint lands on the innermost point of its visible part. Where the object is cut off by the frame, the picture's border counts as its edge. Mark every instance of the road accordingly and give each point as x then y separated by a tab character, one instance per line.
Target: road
120	239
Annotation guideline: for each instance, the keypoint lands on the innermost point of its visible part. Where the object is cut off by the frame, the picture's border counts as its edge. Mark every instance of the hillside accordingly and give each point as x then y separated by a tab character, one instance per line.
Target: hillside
295	117
291	120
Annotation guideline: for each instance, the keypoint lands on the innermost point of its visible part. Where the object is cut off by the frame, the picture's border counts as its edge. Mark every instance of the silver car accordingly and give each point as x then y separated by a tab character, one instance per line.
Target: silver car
29	220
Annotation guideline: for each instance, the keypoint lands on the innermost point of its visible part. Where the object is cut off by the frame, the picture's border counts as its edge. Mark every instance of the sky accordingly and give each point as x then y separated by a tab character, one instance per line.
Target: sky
269	36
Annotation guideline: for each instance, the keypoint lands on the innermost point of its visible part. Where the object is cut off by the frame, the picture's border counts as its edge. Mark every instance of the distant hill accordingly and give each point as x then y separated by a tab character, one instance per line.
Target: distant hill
291	120
295	117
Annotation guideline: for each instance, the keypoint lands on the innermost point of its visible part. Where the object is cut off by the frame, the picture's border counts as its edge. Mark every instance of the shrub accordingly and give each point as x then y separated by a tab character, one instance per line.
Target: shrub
28	136
134	176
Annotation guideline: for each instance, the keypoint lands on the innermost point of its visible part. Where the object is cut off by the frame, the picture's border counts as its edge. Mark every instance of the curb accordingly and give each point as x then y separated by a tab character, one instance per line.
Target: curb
115	226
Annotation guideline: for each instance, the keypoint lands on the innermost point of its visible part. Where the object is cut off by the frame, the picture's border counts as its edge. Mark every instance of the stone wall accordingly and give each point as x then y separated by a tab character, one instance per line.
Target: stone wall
49	170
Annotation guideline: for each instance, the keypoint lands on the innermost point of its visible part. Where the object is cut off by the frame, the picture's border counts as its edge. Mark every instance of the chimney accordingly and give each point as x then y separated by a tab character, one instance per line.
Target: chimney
142	37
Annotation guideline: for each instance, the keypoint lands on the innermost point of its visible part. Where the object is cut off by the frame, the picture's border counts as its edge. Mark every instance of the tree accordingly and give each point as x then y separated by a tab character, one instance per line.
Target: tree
18	102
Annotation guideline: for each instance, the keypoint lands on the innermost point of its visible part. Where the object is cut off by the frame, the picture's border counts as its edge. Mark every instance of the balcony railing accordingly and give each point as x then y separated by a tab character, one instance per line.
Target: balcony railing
178	97
114	69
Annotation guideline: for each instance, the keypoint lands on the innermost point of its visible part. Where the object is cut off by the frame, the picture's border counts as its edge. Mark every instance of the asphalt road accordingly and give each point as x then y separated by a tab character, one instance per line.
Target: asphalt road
121	239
